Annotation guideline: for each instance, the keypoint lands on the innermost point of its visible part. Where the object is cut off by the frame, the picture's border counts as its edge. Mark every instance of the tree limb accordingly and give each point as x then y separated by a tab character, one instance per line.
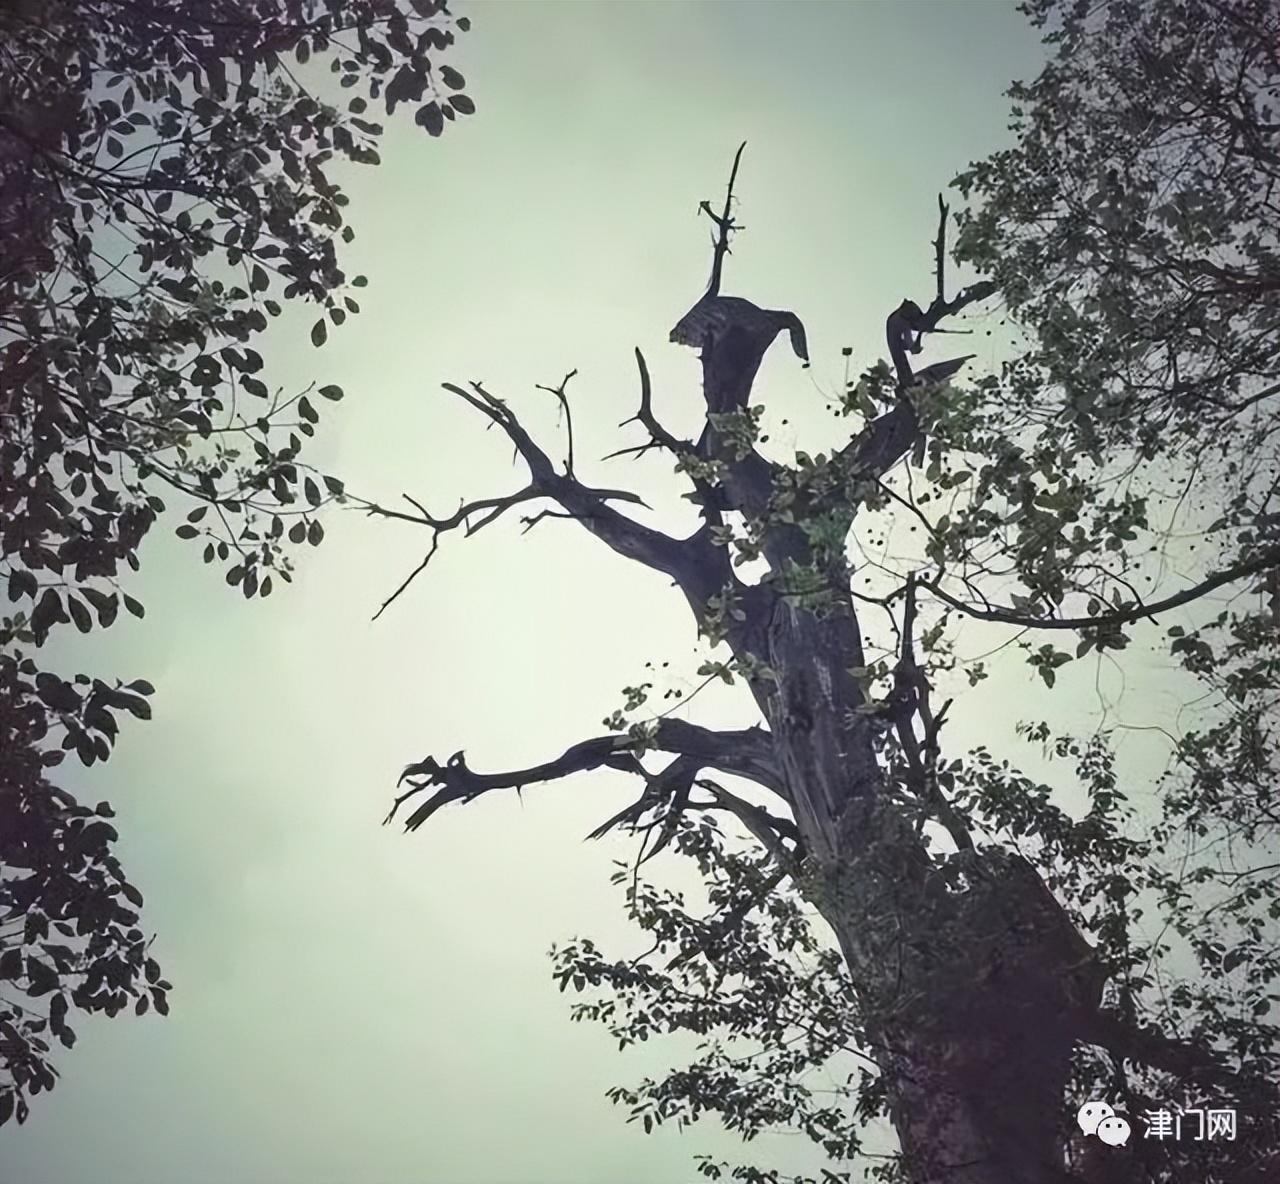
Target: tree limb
1010	616
744	753
768	829
1182	1058
464	519
659	436
881	444
694	563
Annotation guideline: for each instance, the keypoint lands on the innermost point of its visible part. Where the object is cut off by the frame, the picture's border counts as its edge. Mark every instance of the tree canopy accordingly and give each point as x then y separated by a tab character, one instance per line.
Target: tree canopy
167	182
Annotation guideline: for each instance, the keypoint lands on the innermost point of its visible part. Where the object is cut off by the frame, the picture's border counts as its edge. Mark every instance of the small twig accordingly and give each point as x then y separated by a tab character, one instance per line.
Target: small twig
563	398
413	575
939	251
725	225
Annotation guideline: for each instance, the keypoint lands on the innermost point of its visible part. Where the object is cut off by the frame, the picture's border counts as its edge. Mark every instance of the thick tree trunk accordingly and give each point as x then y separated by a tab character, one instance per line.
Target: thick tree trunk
970	978
972	981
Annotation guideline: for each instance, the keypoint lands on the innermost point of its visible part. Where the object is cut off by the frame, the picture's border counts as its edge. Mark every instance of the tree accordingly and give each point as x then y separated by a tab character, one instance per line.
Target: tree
164	185
994	967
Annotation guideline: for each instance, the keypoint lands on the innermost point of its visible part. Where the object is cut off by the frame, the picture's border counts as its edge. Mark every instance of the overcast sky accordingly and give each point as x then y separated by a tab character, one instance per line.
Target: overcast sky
352	1004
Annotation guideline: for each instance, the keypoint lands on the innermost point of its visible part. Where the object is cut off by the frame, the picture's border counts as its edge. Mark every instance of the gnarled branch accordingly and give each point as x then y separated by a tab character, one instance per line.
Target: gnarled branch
695	564
743	753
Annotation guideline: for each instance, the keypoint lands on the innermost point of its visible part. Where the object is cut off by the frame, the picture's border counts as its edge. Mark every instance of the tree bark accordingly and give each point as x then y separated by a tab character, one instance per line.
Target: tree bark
971	986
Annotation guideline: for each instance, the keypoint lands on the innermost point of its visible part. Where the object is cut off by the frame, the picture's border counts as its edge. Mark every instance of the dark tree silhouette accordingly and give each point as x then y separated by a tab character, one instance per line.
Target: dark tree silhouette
164	184
994	969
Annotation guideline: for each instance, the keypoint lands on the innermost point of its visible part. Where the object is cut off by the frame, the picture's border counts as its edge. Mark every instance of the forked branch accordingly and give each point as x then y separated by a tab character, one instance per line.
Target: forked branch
744	753
694	564
659	436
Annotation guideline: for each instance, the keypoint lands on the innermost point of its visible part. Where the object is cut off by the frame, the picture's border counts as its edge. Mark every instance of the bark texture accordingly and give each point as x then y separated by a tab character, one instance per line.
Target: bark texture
974	993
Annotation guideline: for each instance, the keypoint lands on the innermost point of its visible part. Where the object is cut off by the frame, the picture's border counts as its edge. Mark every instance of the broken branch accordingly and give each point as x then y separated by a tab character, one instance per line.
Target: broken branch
743	753
724	225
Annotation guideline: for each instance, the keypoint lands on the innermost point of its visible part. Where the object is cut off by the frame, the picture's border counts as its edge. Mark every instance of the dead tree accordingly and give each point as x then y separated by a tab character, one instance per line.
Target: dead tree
977	985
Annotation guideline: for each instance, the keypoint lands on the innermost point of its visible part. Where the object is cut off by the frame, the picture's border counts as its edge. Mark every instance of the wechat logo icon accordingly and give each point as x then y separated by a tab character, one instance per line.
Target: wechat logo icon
1097	1118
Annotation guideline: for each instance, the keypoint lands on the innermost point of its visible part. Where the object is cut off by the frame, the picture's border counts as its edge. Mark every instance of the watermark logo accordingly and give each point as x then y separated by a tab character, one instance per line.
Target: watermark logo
1196	1125
1100	1120
1200	1125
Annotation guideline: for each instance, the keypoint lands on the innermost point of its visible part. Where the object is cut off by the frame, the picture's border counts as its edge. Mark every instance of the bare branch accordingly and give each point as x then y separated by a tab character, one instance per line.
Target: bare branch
413	575
674	782
695	564
940	251
455	782
744	753
563	399
493	508
678	775
1009	616
724	225
659	437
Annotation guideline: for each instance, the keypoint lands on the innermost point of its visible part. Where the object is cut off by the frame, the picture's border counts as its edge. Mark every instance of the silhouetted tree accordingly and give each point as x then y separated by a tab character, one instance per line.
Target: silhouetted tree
997	960
164	186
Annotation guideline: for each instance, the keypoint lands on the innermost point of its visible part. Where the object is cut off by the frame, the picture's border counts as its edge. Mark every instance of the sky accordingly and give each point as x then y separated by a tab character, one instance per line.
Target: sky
355	1004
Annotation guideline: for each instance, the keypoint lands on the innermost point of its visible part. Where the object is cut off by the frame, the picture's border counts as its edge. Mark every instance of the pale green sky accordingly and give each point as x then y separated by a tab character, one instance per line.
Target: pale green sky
354	1005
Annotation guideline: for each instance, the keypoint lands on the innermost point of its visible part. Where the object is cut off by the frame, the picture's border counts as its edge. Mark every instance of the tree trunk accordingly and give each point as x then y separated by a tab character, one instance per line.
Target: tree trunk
970	978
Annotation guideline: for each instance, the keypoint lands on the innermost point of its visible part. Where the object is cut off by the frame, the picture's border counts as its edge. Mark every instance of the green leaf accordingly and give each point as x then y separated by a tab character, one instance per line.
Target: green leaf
22	583
47	613
79	614
319	332
429	117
